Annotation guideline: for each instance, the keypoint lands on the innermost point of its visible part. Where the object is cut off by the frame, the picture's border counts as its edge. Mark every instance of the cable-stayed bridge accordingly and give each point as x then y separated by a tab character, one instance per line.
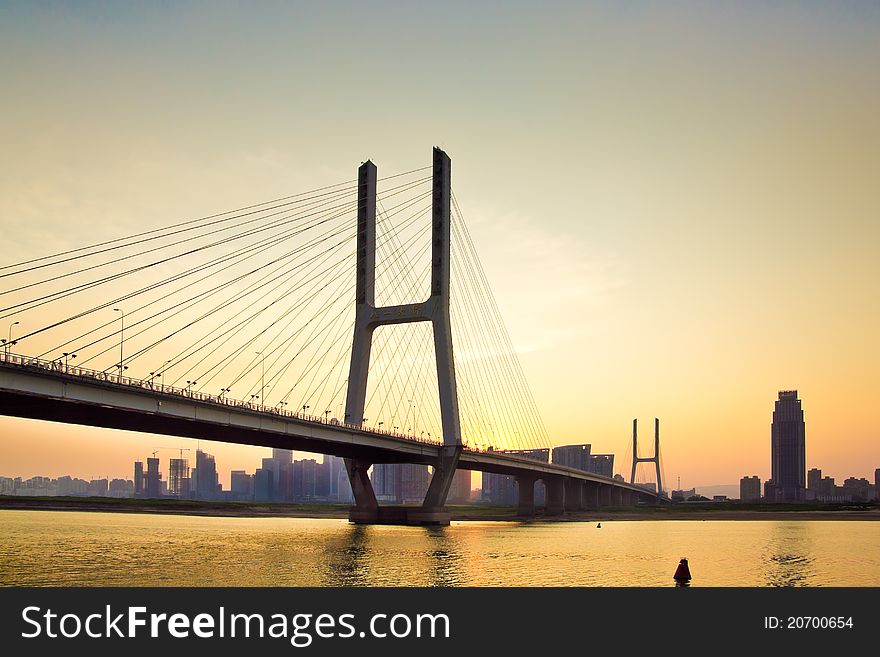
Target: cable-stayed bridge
323	321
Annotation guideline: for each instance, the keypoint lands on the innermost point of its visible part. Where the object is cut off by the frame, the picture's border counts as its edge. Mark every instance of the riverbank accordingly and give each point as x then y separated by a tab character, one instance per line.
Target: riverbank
687	511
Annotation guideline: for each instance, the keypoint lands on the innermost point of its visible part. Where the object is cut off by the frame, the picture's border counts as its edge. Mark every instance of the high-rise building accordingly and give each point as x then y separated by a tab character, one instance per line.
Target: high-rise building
272	466
858	489
262	485
153	478
573	456
602	464
282	455
178	477
500	489
750	489
814	480
343	488
877	484
98	488
337	467
305	479
322	480
788	449
241	485
121	488
282	466
414	481
205	483
138	478
460	489
400	482
385	478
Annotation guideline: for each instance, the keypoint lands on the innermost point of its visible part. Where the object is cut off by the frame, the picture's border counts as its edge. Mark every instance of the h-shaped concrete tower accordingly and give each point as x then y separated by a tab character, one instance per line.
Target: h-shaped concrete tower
368	317
647	459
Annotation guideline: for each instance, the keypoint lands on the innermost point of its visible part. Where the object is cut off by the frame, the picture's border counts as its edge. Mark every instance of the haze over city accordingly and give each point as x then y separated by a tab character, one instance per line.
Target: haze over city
676	207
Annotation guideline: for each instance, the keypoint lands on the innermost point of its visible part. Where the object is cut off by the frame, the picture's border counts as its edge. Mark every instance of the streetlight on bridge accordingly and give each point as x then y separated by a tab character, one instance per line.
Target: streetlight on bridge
66	354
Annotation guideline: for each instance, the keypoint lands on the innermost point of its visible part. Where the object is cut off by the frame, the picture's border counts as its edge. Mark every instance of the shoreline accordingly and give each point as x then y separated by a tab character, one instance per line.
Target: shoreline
459	513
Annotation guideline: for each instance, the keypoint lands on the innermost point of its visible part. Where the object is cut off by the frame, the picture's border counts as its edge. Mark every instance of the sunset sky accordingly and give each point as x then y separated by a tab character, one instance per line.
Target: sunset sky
677	205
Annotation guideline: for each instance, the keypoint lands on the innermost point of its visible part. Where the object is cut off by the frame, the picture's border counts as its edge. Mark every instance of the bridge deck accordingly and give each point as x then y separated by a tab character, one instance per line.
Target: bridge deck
46	390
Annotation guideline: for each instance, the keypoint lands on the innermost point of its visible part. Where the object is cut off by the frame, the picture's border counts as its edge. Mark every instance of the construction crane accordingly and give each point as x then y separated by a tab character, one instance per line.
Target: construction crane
178	449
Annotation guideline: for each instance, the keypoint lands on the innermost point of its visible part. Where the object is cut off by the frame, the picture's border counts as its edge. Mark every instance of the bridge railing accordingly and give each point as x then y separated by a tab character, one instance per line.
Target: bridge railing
104	376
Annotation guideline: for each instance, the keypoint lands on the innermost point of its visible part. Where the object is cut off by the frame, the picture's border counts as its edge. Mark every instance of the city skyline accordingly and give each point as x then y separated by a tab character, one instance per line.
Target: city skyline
691	235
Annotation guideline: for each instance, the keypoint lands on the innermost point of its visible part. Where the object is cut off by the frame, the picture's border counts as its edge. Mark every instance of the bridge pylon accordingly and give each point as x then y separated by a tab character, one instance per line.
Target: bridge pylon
368	317
647	459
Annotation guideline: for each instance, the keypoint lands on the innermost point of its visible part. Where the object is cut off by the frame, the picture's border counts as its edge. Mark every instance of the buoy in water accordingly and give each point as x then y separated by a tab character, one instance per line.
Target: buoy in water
682	573
599	526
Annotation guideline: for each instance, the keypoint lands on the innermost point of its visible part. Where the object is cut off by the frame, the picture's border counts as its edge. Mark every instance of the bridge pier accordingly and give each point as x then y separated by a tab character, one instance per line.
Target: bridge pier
590	495
525	486
555	498
366	507
605	494
573	492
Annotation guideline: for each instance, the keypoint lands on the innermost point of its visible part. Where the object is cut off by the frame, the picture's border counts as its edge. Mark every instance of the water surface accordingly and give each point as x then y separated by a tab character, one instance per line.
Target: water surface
47	548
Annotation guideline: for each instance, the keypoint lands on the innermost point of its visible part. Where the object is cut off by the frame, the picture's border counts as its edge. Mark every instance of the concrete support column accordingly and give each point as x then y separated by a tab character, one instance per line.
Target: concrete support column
573	490
555	505
604	494
441	480
590	496
617	496
366	508
525	505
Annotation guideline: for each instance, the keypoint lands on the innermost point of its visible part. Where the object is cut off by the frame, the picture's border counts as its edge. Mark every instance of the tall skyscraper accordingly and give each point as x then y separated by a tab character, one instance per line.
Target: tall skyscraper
788	449
138	478
153	478
282	474
205	483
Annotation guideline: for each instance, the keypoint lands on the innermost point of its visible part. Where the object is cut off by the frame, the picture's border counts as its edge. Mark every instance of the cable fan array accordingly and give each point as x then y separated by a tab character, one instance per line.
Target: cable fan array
257	304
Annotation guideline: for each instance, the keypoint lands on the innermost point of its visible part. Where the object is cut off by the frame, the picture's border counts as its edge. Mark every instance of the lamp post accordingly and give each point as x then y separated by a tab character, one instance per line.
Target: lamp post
223	391
9	337
305	408
66	354
121	338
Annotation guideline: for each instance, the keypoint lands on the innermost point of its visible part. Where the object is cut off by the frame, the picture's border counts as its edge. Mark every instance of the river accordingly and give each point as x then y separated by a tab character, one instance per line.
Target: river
47	548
